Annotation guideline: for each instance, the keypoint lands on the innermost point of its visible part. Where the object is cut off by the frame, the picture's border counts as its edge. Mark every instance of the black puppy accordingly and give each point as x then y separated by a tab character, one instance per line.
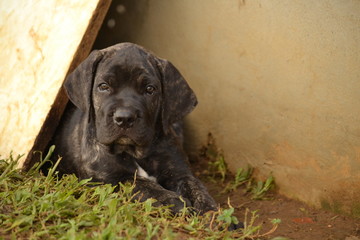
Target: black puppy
125	121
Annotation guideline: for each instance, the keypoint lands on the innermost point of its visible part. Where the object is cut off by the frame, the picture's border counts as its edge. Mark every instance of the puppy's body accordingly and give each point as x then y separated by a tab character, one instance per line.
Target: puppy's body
127	106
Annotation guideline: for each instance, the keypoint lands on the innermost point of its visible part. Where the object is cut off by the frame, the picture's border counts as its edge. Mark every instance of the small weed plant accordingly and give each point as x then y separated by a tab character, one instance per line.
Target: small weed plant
217	168
218	171
241	177
260	189
34	206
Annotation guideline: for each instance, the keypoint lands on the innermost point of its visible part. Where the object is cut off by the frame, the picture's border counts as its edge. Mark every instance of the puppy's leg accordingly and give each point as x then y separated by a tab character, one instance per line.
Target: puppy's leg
146	188
195	191
192	189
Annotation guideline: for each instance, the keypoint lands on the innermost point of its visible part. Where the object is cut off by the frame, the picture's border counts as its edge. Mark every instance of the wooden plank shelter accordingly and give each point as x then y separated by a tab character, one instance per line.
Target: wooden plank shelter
40	43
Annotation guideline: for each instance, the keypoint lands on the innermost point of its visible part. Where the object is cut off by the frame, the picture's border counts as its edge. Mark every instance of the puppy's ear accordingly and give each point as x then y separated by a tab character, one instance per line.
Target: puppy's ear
79	83
178	98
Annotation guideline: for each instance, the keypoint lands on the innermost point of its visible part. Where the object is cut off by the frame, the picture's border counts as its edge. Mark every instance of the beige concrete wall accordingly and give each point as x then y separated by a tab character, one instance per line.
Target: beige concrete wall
278	84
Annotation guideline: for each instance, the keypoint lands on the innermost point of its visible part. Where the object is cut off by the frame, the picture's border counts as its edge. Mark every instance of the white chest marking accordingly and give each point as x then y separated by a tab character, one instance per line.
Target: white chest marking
142	173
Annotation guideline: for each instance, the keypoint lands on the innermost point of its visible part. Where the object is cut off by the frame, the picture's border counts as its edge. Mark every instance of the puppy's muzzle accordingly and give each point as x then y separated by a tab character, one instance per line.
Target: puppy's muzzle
125	117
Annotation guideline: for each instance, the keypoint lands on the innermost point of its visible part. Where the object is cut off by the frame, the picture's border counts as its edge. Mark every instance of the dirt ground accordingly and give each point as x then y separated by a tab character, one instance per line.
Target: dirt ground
298	221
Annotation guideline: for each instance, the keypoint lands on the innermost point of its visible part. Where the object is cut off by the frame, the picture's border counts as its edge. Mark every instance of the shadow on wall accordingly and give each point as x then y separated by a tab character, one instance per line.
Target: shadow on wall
119	24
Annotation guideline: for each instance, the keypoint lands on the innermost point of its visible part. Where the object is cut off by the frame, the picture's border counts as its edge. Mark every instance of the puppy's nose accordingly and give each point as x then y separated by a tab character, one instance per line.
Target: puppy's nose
124	118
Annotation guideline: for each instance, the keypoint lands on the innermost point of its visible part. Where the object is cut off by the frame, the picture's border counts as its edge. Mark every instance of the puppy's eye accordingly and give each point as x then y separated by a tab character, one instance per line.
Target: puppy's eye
150	89
104	87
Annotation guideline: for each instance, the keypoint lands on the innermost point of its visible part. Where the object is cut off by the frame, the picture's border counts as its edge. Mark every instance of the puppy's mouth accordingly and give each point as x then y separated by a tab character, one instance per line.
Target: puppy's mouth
124	141
125	144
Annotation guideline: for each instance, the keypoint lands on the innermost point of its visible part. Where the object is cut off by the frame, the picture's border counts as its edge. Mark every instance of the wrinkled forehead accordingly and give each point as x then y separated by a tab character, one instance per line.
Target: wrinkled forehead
128	61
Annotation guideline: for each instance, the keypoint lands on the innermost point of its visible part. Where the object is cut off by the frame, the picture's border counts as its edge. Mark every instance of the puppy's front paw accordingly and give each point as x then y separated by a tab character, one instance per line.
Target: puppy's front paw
204	204
176	203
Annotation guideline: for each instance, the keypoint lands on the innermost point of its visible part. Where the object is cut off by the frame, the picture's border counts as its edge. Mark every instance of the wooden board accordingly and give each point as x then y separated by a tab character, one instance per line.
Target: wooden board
40	42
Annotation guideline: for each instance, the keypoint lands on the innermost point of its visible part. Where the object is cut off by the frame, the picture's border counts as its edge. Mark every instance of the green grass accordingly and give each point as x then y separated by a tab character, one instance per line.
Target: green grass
241	177
260	189
217	171
34	206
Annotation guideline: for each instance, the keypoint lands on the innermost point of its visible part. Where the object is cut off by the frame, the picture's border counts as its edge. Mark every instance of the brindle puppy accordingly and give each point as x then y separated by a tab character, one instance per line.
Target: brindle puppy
125	120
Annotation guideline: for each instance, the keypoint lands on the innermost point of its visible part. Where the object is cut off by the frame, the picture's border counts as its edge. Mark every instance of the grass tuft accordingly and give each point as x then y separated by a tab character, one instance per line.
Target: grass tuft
34	206
218	172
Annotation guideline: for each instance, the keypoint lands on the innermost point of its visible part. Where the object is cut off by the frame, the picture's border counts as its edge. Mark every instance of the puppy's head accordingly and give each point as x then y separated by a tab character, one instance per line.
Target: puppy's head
130	95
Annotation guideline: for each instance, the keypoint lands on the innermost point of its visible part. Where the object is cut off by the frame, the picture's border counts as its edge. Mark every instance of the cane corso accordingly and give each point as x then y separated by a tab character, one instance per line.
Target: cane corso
124	124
